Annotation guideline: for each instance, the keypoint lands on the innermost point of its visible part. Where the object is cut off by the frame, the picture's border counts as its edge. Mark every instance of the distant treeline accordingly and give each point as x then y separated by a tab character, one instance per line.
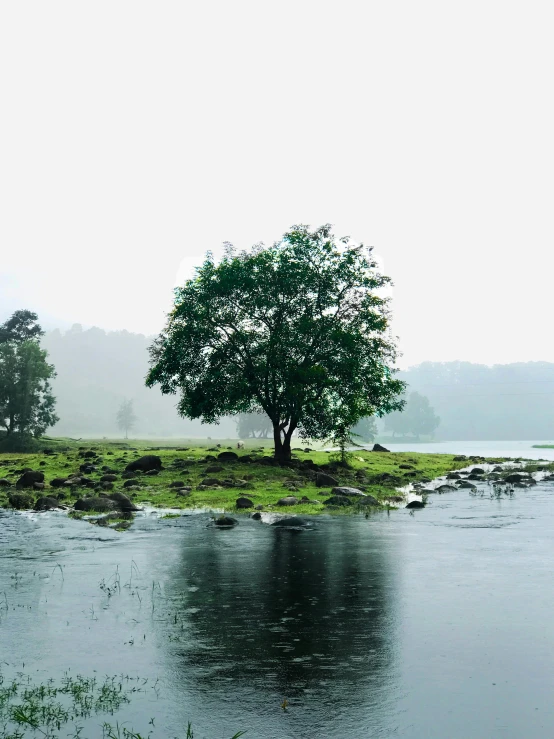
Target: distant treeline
98	370
474	401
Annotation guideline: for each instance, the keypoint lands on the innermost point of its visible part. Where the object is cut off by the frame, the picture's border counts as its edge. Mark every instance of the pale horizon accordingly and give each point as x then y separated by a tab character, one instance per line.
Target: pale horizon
134	140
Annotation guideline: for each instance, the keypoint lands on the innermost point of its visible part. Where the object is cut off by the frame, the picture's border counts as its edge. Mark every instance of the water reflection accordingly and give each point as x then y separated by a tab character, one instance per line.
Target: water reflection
298	614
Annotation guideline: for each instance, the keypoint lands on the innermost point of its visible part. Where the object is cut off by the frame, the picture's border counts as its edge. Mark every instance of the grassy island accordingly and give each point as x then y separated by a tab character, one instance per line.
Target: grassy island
194	476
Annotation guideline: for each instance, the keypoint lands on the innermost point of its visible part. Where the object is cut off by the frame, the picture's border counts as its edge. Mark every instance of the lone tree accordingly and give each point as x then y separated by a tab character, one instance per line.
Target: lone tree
297	330
26	401
126	418
417	418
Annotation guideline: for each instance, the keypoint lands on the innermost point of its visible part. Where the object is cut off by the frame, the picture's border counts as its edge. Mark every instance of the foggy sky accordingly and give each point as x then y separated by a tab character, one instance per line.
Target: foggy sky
135	136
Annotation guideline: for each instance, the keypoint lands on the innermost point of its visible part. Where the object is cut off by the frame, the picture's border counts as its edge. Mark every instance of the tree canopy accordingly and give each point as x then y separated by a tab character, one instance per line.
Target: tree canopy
21	326
298	330
26	401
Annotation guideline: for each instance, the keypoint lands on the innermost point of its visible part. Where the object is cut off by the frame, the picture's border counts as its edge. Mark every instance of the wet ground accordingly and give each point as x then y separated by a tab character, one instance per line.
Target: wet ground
433	623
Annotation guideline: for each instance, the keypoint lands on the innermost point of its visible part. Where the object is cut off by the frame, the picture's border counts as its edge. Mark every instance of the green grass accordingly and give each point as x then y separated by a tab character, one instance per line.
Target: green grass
52	710
265	484
543	446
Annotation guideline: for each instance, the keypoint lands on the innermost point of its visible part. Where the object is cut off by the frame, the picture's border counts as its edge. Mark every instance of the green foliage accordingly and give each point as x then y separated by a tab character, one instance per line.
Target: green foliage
126	417
417	417
21	326
297	330
26	401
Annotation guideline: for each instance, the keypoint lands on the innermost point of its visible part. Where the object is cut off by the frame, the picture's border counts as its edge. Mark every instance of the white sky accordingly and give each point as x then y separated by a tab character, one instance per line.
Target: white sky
135	136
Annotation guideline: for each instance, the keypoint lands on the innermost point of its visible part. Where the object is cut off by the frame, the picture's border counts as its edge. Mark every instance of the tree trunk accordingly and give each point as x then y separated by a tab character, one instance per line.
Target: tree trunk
282	440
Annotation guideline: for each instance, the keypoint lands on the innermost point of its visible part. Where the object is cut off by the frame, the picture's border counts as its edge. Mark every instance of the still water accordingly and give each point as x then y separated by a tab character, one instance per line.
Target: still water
436	623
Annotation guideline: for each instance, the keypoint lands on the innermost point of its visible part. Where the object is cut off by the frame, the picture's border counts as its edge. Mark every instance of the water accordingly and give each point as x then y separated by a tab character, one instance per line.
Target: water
436	624
481	448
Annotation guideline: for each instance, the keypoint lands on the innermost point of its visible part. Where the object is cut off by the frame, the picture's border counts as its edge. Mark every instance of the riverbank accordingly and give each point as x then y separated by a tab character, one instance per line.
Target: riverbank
209	477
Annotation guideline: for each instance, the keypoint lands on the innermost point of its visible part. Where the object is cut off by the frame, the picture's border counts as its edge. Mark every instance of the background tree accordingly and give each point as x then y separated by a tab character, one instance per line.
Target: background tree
298	330
417	418
26	401
365	430
253	425
126	418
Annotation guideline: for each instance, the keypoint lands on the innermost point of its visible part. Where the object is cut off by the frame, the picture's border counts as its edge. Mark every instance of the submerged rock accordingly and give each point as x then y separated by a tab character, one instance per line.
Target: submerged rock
290	522
225	522
94	504
46	504
416	504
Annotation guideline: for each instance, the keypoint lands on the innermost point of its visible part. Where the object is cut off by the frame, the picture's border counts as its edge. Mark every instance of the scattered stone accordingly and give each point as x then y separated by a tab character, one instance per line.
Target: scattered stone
123	502
406	466
228	457
176	484
416	504
348	491
147	463
379	448
244	503
28	479
21	501
445	488
152	473
38	486
130	483
460	458
184	492
108	478
323	480
288	500
453	476
209	481
337	500
466	484
477	471
256	516
214	469
4	483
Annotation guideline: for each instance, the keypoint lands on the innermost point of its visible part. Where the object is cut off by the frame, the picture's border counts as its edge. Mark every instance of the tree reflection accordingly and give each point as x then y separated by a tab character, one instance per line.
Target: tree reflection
287	611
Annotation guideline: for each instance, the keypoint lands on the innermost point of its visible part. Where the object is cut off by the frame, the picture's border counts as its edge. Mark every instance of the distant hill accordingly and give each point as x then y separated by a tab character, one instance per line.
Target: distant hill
502	402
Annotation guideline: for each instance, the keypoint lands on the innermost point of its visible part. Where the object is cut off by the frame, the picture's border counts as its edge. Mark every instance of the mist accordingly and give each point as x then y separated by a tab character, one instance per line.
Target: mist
96	371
